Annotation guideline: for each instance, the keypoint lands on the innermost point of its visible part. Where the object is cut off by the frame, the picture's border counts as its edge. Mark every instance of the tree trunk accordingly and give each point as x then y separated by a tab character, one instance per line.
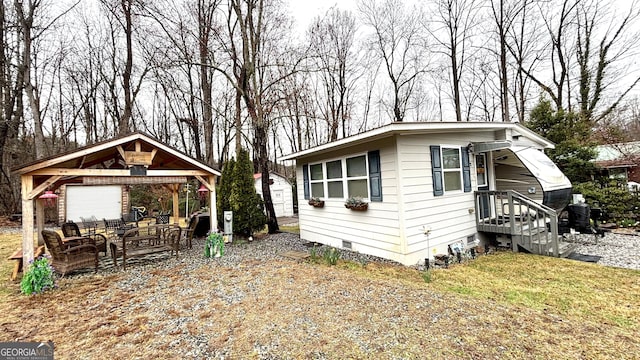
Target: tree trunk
125	120
263	161
204	28
26	23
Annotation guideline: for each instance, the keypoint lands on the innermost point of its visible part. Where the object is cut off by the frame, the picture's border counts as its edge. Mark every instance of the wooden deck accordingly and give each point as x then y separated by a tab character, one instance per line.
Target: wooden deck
530	226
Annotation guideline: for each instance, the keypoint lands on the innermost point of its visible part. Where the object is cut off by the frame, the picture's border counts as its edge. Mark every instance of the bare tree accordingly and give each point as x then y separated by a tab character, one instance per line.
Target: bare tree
559	59
122	15
398	42
11	91
332	42
523	37
257	37
455	21
597	73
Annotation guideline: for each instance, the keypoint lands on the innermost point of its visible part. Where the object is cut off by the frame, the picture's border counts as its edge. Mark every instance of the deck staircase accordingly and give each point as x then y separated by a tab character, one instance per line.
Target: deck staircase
521	222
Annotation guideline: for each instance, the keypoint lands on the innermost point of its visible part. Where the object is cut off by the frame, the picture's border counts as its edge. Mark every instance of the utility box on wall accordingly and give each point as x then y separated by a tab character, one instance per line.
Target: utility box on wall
228	226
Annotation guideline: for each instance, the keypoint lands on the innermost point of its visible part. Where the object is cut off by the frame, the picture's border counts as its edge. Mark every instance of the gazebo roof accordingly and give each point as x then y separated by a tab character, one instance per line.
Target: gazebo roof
110	154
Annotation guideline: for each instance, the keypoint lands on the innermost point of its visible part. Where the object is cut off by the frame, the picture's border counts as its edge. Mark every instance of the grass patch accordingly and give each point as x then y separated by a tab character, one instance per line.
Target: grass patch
571	288
294	229
302	310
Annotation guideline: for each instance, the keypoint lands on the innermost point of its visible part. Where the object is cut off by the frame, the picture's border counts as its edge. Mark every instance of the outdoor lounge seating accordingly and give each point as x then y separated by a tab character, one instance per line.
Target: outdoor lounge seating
71	229
70	256
146	240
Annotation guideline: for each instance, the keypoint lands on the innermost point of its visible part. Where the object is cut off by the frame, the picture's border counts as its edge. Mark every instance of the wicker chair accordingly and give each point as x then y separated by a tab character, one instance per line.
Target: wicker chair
71	229
69	257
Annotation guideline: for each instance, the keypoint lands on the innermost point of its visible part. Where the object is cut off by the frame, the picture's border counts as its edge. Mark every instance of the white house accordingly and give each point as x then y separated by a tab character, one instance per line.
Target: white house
430	185
281	193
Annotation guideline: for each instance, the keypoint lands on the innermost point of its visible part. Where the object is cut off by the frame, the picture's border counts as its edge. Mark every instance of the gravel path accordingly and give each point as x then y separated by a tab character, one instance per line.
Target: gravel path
615	249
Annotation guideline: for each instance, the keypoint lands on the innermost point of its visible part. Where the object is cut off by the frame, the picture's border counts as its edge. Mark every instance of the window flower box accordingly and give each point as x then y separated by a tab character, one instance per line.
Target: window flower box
316	202
356	204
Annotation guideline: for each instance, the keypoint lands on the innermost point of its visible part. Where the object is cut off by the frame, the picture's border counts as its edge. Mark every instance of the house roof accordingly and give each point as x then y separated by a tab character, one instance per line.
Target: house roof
412	128
617	152
257	176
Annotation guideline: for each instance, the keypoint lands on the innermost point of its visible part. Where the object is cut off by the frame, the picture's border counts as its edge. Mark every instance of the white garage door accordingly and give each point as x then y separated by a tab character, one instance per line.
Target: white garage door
103	202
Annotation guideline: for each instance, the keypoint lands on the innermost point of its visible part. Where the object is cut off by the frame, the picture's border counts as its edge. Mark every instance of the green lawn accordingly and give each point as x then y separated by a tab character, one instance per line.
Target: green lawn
568	287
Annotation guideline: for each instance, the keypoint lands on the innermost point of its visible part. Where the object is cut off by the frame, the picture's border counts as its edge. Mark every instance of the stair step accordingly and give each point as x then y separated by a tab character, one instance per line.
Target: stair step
564	249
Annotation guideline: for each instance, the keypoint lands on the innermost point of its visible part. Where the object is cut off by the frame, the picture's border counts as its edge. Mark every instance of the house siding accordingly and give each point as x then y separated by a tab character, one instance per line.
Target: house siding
448	218
375	231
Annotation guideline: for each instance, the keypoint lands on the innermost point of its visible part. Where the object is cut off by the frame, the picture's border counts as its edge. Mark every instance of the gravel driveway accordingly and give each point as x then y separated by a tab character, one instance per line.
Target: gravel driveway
615	249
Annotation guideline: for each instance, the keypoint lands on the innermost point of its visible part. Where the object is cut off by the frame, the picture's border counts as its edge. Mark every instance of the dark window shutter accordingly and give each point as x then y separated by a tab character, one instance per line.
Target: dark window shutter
375	176
305	180
436	168
466	171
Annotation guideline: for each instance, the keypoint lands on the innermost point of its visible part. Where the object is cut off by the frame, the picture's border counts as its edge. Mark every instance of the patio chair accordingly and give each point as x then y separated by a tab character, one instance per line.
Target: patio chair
69	257
89	224
72	229
187	233
163	218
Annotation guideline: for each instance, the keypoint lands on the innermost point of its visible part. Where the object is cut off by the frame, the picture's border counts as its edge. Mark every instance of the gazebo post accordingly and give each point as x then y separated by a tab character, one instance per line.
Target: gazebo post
213	216
176	203
27	220
39	219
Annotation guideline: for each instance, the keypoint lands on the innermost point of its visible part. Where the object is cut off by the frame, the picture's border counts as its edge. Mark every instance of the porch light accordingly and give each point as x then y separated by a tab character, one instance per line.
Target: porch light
49	198
202	192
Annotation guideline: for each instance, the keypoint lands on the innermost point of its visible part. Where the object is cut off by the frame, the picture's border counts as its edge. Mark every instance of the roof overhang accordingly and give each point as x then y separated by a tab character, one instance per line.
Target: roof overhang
413	128
60	164
480	147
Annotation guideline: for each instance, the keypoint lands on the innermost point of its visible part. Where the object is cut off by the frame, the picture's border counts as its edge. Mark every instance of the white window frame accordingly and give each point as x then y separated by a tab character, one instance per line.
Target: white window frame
324	178
345	179
362	177
445	170
484	174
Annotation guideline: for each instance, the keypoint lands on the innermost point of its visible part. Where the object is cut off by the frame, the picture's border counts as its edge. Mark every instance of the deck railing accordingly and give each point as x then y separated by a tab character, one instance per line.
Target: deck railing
531	225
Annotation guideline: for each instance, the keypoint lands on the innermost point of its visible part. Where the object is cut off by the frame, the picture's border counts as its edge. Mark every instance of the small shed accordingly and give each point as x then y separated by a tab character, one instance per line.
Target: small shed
423	184
135	158
281	192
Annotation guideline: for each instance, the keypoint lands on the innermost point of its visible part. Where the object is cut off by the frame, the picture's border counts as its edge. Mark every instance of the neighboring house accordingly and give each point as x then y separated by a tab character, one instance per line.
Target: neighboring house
281	193
430	185
619	161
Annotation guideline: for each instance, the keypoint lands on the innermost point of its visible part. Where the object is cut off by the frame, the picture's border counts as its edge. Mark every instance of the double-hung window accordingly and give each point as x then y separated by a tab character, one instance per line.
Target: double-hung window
335	184
354	176
357	183
450	168
316	180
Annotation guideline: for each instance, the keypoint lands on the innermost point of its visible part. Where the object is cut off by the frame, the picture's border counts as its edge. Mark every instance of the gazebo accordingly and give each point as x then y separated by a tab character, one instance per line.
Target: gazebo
136	158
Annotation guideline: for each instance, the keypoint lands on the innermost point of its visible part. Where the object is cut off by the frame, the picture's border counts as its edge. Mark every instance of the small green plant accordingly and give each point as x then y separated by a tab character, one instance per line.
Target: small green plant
214	245
313	253
331	256
627	223
39	277
426	276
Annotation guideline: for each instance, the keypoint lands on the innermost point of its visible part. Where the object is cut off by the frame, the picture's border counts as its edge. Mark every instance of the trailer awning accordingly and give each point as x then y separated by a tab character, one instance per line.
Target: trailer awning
538	163
480	147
